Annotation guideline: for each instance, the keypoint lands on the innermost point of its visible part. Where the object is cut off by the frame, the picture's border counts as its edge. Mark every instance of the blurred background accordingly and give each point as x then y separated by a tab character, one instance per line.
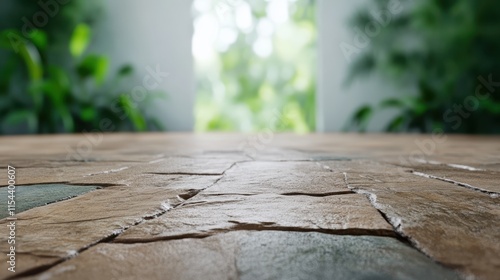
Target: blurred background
73	66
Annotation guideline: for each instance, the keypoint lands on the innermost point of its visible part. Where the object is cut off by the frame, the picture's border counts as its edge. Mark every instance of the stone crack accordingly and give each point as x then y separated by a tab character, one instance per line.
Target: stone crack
465	185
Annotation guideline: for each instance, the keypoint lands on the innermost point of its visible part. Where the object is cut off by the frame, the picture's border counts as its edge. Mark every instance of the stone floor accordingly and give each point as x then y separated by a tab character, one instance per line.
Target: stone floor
229	206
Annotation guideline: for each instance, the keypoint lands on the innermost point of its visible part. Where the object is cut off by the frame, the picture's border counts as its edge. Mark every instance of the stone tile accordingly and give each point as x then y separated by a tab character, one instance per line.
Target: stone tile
494	166
42	175
32	196
485	180
59	230
456	229
369	172
29	261
455	226
233	155
276	154
258	177
205	215
254	255
277	255
188	165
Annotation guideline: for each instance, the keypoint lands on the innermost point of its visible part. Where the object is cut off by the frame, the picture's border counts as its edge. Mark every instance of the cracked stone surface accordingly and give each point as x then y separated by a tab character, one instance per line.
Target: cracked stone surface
255	255
192	206
467	176
293	178
61	229
447	222
195	166
208	215
44	175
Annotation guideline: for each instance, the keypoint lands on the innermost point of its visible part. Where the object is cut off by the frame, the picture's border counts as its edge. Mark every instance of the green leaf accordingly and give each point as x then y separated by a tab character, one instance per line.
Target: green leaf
88	114
44	86
39	38
362	65
419	107
362	116
32	60
94	66
10	38
56	86
79	40
392	103
67	119
13	40
60	78
396	124
133	113
125	70
491	106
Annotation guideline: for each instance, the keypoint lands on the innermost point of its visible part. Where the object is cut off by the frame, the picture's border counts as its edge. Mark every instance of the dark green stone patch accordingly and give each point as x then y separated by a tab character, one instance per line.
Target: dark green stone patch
32	196
296	255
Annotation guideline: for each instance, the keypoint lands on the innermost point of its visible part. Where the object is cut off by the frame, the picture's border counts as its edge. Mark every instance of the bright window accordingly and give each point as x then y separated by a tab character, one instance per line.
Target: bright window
255	65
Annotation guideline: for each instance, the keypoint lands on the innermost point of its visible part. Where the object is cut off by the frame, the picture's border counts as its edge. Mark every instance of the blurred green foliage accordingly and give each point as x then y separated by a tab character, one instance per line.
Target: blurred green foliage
438	54
240	90
49	81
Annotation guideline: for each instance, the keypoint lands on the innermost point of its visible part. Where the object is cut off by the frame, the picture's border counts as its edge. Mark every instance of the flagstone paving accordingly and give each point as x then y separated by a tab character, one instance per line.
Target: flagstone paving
226	206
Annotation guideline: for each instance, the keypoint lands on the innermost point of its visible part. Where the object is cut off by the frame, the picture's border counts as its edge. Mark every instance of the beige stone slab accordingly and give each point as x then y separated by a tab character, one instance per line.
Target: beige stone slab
104	173
205	215
459	161
136	173
236	156
477	177
61	160
455	226
401	177
459	149
190	165
183	259
61	229
254	255
494	166
283	154
463	175
457	234
64	147
88	147
293	178
372	175
40	175
29	261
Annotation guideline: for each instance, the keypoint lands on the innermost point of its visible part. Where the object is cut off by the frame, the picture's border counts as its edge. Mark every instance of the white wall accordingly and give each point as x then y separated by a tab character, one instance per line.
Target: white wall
336	103
150	33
